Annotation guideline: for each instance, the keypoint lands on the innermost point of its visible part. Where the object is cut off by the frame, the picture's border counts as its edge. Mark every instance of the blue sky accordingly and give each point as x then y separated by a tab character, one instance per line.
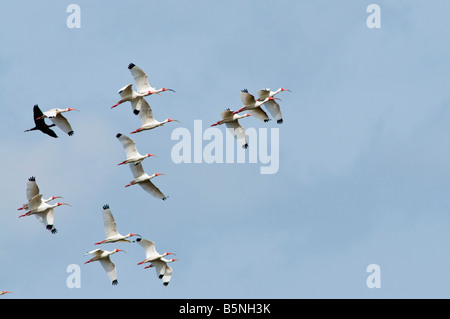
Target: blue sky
363	175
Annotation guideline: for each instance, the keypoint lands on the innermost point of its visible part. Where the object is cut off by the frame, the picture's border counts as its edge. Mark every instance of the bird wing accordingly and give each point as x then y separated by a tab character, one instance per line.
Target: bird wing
46	217
32	188
247	98
137	169
150	188
126	91
48	131
35	202
263	94
109	223
62	123
167	275
136	104
40	123
140	78
259	114
129	146
160	267
110	268
226	114
149	247
274	108
146	113
238	131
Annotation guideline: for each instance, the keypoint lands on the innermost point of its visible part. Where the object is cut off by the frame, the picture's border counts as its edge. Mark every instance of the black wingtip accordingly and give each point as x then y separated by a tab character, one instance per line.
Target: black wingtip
70	133
106	206
138	239
115	282
280	121
118	135
165	283
246	145
52	229
32	179
135	112
131	65
265	121
160	276
244	90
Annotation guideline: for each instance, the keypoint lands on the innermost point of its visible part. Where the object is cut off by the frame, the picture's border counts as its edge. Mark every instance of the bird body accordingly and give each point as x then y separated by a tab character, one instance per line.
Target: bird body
231	120
133	156
144	180
253	106
112	234
39	123
147	119
103	256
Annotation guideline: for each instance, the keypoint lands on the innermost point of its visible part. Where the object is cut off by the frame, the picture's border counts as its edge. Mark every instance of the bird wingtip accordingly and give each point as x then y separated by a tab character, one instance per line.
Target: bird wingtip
106	206
119	135
131	65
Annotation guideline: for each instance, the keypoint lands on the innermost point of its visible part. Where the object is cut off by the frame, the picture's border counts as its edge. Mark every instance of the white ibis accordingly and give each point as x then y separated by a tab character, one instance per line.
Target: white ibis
272	106
152	256
232	122
43	212
5	292
59	120
103	256
128	94
33	190
144	180
147	119
163	271
39	123
112	234
133	156
141	81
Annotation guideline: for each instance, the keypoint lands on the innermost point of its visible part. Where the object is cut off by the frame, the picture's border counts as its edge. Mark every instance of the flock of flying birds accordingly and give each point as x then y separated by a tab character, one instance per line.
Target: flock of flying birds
41	208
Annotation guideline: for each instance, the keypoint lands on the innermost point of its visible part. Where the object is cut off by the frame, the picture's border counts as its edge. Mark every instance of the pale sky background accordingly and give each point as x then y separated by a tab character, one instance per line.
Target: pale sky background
364	148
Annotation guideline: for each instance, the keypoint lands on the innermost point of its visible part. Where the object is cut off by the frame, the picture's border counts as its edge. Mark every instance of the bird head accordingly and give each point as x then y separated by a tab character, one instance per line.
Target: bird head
164	89
148	155
282	89
72	109
171	120
117	250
